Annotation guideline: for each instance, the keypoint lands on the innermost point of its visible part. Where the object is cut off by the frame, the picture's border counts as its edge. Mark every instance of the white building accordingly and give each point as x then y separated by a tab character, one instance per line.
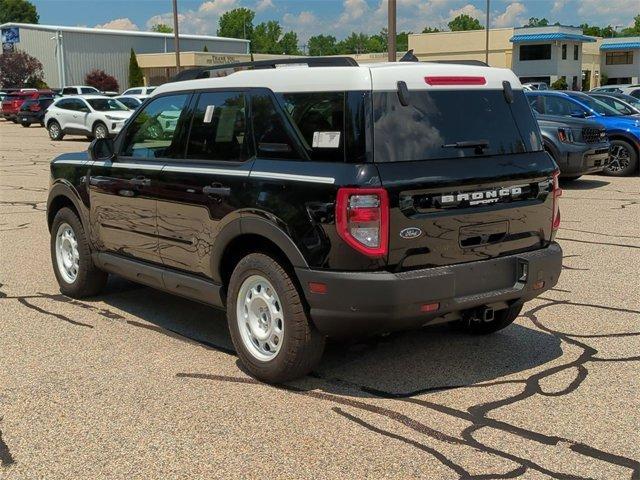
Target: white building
620	59
67	54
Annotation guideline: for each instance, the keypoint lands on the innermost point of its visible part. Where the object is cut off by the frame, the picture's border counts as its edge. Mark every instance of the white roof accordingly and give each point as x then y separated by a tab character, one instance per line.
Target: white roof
102	31
378	77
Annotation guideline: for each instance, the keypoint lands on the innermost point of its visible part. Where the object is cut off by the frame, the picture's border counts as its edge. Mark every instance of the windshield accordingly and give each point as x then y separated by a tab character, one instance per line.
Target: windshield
452	124
106	104
632	100
598	106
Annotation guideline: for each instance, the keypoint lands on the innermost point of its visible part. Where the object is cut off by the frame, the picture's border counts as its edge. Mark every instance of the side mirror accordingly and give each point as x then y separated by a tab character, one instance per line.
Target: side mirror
101	149
578	114
85	109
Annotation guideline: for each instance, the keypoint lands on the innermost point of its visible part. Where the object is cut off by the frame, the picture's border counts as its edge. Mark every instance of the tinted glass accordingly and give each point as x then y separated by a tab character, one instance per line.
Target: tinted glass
131	103
271	137
155	130
575	52
434	123
535	52
71	104
564	52
69	91
560	106
616	104
106	104
218	129
87	90
150	89
134	91
597	106
319	119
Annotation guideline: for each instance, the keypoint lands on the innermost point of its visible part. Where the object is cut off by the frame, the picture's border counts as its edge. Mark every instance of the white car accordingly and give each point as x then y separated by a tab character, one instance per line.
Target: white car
80	90
140	92
95	116
130	101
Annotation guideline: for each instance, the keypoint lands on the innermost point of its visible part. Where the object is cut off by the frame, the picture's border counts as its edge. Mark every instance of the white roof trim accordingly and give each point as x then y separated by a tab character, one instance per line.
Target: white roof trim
105	31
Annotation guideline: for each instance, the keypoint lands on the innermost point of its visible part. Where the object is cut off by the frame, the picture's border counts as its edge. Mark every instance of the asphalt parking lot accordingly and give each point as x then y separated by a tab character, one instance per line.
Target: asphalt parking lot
136	383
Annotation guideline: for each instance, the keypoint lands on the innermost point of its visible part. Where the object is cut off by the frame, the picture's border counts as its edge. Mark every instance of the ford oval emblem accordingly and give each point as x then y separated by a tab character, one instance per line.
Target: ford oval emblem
411	232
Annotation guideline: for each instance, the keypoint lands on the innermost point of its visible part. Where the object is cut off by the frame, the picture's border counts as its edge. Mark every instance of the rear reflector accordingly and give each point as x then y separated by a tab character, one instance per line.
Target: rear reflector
455	80
429	307
318	287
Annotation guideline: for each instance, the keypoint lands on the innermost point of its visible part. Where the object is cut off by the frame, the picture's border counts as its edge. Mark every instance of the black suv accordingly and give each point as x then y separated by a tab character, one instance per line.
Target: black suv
32	111
316	200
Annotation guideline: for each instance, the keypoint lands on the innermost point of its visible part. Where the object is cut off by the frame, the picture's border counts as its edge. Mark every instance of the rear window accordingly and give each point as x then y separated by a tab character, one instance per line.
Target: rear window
106	104
452	124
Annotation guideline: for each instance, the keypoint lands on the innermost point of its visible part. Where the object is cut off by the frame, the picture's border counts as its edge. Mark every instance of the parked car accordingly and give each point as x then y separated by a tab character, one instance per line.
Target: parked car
321	201
91	115
536	86
80	90
129	101
577	145
623	131
141	92
618	104
33	111
608	89
633	90
13	101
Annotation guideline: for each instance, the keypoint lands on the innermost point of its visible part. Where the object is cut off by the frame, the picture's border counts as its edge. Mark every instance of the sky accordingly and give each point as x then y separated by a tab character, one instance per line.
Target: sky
331	17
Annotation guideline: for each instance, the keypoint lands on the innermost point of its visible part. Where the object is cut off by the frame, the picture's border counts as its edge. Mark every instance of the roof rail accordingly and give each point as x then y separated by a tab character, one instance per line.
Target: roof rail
228	68
477	63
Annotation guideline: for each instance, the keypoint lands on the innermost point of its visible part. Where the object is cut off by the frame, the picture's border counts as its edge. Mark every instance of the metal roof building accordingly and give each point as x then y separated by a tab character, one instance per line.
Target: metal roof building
67	54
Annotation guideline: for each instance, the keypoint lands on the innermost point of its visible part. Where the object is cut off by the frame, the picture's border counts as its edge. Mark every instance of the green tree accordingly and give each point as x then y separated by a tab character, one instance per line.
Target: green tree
537	22
354	44
205	49
322	45
428	29
136	78
465	22
265	37
559	84
634	29
161	28
595	31
289	44
402	41
237	23
19	69
19	11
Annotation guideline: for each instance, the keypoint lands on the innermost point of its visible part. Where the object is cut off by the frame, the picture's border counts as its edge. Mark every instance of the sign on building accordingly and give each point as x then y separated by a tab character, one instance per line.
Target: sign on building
10	35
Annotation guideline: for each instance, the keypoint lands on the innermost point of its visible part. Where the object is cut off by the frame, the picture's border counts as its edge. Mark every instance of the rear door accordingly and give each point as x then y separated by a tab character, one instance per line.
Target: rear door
466	175
201	191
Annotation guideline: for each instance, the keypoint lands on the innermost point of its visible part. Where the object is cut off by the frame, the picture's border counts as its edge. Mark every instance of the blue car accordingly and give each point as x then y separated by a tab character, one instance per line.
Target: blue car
623	131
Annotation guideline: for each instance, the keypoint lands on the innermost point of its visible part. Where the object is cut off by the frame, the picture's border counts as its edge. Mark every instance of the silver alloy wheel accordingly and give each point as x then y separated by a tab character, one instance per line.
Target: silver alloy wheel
620	158
260	318
67	253
100	131
54	130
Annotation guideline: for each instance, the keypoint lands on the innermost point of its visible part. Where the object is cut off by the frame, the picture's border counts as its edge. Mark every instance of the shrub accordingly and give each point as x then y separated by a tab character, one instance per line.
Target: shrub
18	68
560	84
135	72
101	80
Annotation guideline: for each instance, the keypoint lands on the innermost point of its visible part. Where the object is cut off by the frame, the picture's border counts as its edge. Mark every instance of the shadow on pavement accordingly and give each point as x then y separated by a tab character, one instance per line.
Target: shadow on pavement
583	184
402	364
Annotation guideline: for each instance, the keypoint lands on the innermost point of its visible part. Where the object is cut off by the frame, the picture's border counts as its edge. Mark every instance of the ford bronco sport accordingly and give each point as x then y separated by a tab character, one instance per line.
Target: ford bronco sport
312	200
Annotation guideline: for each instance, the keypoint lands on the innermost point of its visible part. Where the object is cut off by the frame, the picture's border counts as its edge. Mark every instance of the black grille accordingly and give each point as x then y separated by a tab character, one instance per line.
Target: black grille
593	135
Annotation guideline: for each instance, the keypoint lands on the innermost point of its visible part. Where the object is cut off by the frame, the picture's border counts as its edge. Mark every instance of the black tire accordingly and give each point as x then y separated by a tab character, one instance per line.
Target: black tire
302	345
570	179
100	130
89	280
623	161
25	124
502	319
55	131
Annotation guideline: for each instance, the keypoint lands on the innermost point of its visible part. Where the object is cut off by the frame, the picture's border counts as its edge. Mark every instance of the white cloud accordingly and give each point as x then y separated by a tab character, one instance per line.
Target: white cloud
468	9
558	6
511	16
119	24
263	5
305	24
203	20
353	11
619	12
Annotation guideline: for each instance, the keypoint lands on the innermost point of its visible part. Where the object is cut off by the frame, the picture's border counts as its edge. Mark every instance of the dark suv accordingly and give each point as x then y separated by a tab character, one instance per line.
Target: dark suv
32	111
318	200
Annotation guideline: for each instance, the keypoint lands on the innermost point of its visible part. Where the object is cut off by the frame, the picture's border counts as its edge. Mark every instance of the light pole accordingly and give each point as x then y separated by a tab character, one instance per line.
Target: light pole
391	32
176	34
486	43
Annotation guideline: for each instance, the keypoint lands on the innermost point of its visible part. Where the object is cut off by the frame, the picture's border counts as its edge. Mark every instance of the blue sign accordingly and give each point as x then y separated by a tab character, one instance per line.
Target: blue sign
11	35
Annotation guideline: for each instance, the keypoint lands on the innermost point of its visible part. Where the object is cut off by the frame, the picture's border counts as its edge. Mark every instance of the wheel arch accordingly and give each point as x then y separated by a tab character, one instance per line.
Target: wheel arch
62	195
96	122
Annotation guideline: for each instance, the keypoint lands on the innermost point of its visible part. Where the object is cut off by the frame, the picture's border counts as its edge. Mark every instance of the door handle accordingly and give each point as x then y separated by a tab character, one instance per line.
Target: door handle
140	182
216	191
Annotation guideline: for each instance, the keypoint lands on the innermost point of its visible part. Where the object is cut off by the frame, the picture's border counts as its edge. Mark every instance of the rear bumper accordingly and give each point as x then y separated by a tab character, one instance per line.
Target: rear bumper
581	162
359	302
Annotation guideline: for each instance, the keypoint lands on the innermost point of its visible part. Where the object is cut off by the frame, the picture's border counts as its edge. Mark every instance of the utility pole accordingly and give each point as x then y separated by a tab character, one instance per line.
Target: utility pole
176	35
486	45
391	31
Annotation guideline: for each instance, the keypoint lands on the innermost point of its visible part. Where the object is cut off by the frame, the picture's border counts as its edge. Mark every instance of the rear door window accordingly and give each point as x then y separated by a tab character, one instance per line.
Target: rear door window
452	124
218	129
270	134
319	120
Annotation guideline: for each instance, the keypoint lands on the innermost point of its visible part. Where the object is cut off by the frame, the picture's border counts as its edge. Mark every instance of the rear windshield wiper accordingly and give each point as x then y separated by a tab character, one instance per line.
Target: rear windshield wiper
477	144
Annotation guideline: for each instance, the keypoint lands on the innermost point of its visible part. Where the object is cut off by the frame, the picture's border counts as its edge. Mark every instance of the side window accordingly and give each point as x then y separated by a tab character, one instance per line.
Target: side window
560	106
319	118
79	105
64	104
69	91
271	138
537	103
86	90
218	130
152	133
134	91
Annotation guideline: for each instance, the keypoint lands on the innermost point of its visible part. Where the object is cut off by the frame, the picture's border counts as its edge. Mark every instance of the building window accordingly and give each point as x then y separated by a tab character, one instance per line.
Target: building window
564	51
619	58
535	52
575	52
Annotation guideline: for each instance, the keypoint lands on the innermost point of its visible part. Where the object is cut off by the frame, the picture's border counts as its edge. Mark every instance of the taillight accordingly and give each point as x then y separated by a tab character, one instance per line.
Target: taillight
35	107
557	193
362	219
